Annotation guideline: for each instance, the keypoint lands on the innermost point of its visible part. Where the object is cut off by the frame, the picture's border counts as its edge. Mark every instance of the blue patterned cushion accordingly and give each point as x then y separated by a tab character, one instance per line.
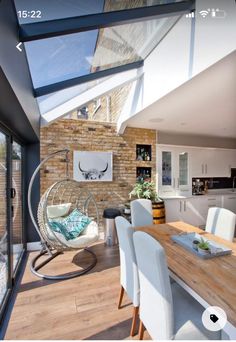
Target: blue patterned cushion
72	225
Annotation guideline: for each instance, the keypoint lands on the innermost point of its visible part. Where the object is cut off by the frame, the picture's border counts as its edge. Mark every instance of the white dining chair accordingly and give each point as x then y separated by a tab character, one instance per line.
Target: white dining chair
128	267
166	311
141	212
221	222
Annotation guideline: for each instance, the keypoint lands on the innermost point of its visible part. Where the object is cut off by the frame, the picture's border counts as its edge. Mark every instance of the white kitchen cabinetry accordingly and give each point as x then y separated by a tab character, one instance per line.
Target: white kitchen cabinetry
208	162
204	203
185	210
229	202
194	210
191	213
172	210
173	171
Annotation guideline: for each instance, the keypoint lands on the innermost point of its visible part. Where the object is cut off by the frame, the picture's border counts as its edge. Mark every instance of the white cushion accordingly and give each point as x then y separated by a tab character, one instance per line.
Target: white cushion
58	210
86	238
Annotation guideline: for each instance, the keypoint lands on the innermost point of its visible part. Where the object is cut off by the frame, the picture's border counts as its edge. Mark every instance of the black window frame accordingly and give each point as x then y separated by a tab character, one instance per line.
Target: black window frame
13	274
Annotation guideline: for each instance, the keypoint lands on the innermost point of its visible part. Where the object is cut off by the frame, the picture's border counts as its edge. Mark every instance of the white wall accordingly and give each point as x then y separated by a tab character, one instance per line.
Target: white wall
167	67
214	38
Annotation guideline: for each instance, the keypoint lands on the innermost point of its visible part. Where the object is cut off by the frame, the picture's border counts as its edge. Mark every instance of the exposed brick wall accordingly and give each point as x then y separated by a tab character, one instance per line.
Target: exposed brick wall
110	108
82	135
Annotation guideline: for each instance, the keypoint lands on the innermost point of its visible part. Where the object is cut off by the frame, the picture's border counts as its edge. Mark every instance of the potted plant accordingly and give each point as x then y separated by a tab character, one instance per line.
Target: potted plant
146	189
203	247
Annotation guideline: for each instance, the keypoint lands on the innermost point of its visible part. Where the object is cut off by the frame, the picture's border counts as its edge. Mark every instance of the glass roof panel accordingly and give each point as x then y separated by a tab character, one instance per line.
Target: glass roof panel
58	9
53	100
61	58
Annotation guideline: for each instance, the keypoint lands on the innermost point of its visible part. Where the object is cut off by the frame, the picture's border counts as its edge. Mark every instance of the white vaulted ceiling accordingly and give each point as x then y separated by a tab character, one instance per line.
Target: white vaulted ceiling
204	105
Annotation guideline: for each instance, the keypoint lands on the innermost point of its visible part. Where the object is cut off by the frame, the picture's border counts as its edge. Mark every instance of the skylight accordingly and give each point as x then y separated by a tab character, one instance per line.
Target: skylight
74	45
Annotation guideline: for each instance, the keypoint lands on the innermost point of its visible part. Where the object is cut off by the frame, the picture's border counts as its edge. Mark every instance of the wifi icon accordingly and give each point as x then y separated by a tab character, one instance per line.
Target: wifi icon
204	13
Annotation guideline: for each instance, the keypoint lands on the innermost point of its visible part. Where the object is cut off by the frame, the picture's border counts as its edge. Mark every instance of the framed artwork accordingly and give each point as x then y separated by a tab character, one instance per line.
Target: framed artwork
92	166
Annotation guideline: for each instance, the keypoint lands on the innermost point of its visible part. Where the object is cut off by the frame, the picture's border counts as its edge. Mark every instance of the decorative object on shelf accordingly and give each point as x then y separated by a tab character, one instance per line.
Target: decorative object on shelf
144	152
146	189
143	174
92	166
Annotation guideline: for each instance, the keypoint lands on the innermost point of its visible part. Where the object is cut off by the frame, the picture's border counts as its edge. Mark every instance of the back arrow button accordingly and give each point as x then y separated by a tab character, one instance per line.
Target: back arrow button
18	47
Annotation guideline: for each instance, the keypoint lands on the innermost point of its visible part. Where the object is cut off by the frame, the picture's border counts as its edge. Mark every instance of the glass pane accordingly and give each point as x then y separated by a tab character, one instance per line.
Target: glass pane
17	202
54	9
3	220
65	57
183	168
166	168
53	100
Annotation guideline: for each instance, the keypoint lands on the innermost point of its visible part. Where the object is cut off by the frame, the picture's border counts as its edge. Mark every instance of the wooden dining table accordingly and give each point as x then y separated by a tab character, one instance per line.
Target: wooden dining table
212	282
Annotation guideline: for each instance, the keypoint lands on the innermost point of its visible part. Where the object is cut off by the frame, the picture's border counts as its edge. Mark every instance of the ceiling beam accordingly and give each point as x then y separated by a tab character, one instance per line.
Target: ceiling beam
51	88
91	94
57	27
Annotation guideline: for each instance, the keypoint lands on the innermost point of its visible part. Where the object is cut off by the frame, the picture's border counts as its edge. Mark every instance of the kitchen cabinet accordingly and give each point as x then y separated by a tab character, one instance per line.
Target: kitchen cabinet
173	171
204	203
182	210
229	202
207	162
194	210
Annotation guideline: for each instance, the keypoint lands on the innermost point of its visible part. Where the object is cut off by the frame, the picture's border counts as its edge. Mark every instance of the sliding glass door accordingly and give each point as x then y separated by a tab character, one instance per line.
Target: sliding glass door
4	232
11	213
16	194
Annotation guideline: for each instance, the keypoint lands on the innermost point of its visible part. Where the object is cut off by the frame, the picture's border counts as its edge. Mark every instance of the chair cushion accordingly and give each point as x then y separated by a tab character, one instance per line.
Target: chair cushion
71	226
83	240
58	210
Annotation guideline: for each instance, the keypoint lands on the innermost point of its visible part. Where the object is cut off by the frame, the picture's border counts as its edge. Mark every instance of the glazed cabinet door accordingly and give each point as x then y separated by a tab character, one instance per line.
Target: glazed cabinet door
166	176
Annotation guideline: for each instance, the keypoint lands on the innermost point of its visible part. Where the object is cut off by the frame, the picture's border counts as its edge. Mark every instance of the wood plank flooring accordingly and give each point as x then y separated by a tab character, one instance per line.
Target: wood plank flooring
80	308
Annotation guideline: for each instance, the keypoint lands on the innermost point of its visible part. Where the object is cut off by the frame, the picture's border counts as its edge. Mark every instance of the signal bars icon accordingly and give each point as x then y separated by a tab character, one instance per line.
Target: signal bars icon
190	15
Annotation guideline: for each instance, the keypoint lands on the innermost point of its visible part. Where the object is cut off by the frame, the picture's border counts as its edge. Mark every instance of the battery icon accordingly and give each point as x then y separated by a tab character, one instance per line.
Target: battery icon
218	14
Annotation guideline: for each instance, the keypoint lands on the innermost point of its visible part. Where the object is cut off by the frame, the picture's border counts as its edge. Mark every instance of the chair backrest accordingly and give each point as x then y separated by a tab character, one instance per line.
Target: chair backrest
221	222
141	212
128	265
156	306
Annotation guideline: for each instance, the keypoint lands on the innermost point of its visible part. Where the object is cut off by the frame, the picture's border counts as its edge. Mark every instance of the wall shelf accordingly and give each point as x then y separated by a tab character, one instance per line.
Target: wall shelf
143	173
143	153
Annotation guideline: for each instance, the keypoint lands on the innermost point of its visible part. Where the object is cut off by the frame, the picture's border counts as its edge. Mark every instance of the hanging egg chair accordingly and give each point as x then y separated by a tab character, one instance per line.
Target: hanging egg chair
60	203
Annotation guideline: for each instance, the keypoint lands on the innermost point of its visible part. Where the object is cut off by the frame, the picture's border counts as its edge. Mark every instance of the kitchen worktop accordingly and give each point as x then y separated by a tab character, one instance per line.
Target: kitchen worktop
216	192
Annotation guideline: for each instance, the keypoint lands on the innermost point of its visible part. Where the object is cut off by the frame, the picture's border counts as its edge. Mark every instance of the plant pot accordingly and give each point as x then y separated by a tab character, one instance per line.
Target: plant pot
203	251
127	211
158	212
195	244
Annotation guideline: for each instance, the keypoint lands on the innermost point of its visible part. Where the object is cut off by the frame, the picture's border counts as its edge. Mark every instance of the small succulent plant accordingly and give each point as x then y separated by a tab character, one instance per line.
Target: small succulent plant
204	245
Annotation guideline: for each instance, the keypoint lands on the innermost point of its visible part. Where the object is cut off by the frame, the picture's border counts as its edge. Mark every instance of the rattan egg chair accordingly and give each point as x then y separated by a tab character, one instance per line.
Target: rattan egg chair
64	192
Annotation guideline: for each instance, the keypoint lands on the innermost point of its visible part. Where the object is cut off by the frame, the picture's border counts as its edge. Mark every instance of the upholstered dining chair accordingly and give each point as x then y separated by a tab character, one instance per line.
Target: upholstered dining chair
128	267
167	312
141	212
221	222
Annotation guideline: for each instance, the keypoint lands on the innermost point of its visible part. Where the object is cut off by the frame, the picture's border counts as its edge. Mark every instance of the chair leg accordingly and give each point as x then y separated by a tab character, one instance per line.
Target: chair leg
121	295
134	320
141	330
